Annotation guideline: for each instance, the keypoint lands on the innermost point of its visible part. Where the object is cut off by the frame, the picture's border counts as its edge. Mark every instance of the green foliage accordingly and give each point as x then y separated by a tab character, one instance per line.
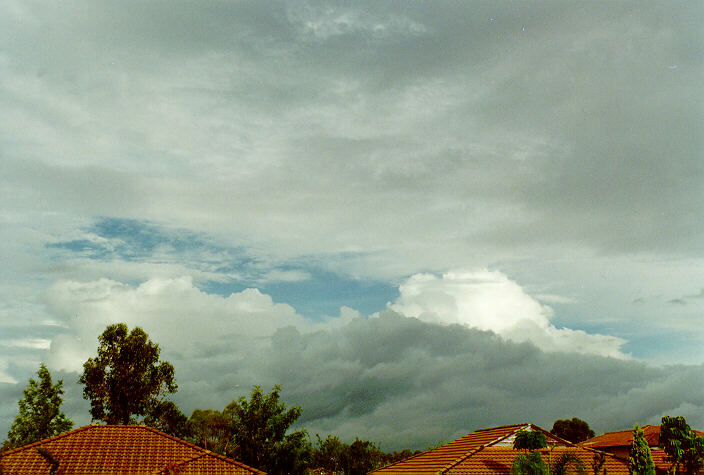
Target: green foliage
598	461
529	464
167	417
574	430
682	446
211	430
39	412
640	459
359	457
363	457
126	380
564	462
329	454
529	440
260	428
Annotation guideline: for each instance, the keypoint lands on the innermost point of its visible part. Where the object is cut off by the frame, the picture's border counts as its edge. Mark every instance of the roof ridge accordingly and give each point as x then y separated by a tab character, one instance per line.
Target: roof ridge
522	424
519	427
209	453
452	441
44	441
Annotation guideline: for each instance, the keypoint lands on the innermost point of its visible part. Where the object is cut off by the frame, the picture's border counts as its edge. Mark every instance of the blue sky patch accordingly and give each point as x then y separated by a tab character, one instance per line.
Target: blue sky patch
319	293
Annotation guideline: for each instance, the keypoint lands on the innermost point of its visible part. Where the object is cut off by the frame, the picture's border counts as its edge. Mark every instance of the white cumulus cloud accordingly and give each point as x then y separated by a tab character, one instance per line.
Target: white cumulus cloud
489	300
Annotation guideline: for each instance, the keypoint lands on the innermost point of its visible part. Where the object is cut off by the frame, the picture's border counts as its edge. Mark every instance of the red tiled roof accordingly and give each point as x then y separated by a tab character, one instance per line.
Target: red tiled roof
493	460
611	441
489	451
624	438
103	449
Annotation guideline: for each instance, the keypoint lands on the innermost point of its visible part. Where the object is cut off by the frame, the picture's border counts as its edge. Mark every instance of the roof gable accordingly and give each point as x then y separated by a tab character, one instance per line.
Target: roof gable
623	438
488	451
96	449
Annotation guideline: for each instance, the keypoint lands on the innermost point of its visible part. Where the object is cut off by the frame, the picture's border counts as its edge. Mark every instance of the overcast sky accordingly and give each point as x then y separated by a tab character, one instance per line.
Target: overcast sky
419	218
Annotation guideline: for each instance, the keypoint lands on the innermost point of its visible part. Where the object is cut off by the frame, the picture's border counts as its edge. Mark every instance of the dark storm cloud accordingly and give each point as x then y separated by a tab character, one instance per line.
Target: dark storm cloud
408	383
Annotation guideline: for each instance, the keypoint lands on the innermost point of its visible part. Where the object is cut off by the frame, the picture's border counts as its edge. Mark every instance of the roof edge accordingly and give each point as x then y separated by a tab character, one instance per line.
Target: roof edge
47	440
519	427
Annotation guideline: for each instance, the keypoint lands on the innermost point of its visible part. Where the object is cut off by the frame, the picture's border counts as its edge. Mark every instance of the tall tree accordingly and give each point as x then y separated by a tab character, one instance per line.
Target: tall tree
260	427
574	430
40	415
126	380
330	454
363	457
681	444
211	430
167	417
640	459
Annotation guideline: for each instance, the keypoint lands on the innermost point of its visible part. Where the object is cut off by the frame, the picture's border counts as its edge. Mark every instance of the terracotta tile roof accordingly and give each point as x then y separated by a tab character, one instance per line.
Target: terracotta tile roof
623	438
489	451
620	442
433	461
499	460
117	449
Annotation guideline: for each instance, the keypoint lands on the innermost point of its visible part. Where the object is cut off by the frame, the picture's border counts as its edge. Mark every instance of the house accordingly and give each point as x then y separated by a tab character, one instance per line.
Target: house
490	451
619	444
100	449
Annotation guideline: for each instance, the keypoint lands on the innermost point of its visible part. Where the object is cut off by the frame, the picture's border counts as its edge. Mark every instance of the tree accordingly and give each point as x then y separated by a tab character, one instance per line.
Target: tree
530	463
363	456
598	461
40	415
329	454
681	445
211	430
529	440
126	380
260	428
564	462
574	430
640	459
167	417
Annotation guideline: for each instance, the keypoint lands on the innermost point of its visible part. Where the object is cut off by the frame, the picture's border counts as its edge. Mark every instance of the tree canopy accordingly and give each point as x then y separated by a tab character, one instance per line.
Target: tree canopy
529	440
260	427
126	380
529	463
640	459
681	444
574	430
39	415
211	430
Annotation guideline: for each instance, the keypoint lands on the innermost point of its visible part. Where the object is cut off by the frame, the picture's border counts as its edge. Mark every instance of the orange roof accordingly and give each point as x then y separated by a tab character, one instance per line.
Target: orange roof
624	438
97	449
490	451
492	460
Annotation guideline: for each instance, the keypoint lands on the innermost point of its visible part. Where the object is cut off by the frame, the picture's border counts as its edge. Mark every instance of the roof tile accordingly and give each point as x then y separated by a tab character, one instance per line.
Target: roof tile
118	449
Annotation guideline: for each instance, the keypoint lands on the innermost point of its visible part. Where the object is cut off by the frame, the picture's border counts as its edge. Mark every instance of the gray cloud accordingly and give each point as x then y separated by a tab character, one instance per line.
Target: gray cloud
407	383
565	119
389	378
555	143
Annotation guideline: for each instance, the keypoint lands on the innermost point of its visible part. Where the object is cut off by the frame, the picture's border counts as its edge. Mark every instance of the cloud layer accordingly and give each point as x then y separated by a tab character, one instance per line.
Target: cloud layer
381	378
250	179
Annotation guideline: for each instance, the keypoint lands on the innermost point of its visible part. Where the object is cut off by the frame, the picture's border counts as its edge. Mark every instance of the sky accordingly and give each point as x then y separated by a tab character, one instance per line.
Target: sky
419	218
